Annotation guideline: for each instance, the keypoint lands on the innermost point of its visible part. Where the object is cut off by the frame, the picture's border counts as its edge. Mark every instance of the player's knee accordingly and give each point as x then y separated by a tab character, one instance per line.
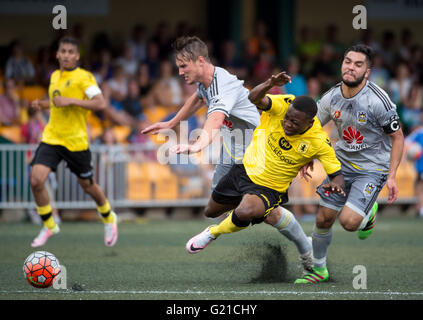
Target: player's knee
325	221
245	213
208	212
349	224
274	216
87	184
36	182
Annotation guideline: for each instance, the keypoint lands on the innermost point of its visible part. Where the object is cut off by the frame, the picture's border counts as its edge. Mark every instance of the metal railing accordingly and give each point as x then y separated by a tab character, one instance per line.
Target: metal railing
111	171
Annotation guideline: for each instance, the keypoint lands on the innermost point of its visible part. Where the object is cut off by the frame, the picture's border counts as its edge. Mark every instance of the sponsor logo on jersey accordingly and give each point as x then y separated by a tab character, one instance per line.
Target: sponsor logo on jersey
228	124
368	190
284	144
362	117
303	147
337	114
354	139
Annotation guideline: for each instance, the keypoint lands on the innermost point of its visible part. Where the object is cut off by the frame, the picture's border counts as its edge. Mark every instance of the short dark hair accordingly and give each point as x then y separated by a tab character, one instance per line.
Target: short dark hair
305	104
362	48
70	40
191	48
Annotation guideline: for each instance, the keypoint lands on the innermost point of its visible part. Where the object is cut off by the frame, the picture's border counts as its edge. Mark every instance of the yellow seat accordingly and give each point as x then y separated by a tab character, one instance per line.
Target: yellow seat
139	184
12	133
156	113
31	93
121	133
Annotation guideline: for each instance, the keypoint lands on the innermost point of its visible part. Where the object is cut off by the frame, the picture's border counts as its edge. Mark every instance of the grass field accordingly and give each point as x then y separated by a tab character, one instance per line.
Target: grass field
150	262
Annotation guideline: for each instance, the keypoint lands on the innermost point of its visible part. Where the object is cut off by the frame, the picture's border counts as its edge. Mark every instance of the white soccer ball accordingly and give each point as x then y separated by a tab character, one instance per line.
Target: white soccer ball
413	151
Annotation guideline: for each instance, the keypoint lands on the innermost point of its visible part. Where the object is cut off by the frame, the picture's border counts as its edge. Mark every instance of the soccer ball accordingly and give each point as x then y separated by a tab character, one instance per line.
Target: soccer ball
413	151
40	269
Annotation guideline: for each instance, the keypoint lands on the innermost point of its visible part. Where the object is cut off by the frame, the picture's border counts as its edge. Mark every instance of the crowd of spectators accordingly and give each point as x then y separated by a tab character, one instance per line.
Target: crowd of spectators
141	84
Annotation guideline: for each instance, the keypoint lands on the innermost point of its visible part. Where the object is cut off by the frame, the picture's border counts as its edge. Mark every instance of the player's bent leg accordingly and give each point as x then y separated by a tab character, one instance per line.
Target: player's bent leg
284	221
108	216
215	209
251	207
39	175
321	239
367	226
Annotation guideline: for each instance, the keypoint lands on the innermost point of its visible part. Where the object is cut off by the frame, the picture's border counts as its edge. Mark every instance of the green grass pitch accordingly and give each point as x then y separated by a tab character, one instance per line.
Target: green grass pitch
149	261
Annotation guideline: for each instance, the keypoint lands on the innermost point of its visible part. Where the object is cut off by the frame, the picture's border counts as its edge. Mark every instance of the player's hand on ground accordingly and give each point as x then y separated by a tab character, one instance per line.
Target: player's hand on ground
156	127
304	171
184	148
59	101
280	79
334	188
392	190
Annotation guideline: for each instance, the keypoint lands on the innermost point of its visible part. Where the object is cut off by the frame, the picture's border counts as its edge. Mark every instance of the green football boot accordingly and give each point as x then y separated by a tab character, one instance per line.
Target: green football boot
318	275
368	229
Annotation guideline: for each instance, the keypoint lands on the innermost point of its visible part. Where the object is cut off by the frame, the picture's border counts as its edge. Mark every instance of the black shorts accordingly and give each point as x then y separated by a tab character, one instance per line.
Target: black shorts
236	183
79	162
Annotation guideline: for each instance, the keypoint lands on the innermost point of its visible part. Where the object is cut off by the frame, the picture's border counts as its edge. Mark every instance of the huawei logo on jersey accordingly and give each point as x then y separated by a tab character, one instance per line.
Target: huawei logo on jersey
227	123
352	135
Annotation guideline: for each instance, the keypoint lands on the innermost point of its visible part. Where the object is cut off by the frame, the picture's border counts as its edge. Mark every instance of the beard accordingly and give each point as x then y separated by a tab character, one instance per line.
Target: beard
355	83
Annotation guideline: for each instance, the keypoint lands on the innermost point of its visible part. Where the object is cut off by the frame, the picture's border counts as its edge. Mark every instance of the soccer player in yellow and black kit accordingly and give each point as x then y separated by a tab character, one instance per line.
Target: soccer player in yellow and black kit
73	93
288	136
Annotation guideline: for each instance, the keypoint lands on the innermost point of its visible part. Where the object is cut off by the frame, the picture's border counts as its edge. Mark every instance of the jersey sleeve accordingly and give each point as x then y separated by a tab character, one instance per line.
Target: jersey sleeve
386	114
323	109
89	85
223	101
326	156
279	104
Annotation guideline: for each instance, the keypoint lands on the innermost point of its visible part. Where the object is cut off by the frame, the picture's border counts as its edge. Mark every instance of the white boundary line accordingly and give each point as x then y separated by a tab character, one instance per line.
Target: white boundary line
190	292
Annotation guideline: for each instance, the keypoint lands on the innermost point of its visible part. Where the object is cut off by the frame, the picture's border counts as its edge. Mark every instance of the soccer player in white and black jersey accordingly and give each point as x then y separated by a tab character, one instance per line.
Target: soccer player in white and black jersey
229	111
369	148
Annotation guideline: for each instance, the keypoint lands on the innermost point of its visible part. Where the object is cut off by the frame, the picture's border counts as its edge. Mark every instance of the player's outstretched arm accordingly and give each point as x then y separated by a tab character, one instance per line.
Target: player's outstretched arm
397	139
97	103
40	104
258	94
192	104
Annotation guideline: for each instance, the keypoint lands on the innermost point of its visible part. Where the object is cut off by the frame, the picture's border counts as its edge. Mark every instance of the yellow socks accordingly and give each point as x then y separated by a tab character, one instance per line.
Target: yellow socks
105	212
45	213
230	224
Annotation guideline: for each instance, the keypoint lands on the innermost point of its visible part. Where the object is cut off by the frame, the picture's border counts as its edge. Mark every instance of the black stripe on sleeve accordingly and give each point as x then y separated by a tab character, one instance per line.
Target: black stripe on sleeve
381	96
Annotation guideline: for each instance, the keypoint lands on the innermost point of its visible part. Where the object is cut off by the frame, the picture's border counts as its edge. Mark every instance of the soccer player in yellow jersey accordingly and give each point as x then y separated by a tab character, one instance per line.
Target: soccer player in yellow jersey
288	137
73	92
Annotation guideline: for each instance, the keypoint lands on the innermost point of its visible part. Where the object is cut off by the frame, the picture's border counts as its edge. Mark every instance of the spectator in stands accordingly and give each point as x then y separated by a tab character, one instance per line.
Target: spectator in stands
367	39
399	87
331	39
163	40
127	60
308	49
298	85
44	67
118	84
32	130
18	66
102	67
406	41
416	63
387	50
411	110
379	75
324	68
10	104
230	61
167	90
138	42
153	60
313	88
259	43
131	105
